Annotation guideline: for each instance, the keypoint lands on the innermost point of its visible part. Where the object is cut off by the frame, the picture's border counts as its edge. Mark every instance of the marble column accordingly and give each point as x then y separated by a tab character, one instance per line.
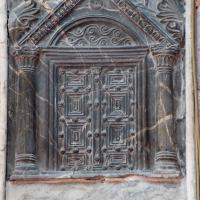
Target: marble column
166	157
25	161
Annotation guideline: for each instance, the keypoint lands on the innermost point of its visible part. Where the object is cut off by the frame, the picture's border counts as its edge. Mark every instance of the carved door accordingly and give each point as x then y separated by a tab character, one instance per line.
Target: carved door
96	116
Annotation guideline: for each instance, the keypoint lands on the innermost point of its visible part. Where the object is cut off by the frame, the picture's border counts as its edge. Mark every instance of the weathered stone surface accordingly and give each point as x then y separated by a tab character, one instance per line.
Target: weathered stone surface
131	190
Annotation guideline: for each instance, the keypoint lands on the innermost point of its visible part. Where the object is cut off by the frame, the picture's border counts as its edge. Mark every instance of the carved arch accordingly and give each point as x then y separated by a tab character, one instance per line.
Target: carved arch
124	36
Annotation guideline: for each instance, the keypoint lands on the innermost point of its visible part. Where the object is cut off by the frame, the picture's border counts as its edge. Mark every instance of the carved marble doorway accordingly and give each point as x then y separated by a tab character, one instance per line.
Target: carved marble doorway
95	91
99	109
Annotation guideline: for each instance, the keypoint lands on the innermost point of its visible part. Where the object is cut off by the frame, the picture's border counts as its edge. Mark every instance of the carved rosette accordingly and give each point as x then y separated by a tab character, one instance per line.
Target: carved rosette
25	160
165	59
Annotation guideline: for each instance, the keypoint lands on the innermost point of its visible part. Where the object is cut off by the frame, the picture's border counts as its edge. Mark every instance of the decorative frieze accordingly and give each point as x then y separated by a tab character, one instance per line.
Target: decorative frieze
99	34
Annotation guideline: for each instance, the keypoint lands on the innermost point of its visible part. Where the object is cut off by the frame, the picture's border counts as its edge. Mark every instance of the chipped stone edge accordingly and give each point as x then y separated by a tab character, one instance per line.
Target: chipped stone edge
3	94
190	126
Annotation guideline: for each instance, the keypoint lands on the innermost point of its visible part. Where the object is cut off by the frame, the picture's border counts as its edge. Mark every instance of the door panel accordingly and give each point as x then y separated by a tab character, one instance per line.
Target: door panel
96	112
74	115
118	117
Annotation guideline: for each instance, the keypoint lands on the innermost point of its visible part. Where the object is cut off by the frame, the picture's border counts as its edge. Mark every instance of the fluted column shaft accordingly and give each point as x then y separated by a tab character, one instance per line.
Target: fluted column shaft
165	159
25	160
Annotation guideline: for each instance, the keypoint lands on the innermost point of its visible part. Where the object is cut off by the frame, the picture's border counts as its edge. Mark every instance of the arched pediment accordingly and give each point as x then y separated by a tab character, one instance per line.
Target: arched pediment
25	28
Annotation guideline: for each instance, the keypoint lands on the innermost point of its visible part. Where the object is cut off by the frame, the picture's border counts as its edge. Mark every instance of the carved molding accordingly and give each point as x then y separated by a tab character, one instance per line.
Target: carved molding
25	163
166	162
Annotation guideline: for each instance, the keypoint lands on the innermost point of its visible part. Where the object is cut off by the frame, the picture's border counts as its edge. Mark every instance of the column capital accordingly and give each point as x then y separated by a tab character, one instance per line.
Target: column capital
165	57
26	58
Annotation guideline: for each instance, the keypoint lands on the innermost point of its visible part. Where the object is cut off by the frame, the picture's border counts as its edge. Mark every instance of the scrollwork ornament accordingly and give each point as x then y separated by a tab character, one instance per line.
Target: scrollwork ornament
96	35
96	4
170	13
21	17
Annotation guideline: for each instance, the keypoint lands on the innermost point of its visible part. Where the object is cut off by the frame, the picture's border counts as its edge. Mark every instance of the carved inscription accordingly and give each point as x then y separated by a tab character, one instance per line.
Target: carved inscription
53	19
96	118
140	20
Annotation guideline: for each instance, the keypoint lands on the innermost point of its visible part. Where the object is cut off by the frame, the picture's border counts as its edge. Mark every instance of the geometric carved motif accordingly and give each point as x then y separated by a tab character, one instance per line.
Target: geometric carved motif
74	118
96	113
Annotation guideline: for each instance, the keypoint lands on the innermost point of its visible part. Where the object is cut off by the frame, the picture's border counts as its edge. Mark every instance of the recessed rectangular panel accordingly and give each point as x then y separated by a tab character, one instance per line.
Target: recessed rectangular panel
75	160
75	104
117	79
76	135
118	104
117	134
117	159
75	129
75	80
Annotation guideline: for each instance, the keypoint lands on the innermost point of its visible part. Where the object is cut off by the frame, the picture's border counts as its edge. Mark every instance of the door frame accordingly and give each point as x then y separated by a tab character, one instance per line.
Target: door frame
50	59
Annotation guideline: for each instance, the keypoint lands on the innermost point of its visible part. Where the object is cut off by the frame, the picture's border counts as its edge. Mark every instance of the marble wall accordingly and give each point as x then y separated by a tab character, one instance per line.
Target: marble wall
128	190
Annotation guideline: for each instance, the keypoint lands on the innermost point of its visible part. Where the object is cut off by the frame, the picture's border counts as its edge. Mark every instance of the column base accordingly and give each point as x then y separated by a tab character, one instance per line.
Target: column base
166	164
25	164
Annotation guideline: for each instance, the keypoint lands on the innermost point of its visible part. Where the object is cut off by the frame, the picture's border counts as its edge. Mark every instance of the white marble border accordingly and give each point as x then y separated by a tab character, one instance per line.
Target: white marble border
190	147
3	94
190	126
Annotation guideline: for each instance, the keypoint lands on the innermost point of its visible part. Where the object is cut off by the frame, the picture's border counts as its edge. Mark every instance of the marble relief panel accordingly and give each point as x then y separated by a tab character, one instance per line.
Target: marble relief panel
96	88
